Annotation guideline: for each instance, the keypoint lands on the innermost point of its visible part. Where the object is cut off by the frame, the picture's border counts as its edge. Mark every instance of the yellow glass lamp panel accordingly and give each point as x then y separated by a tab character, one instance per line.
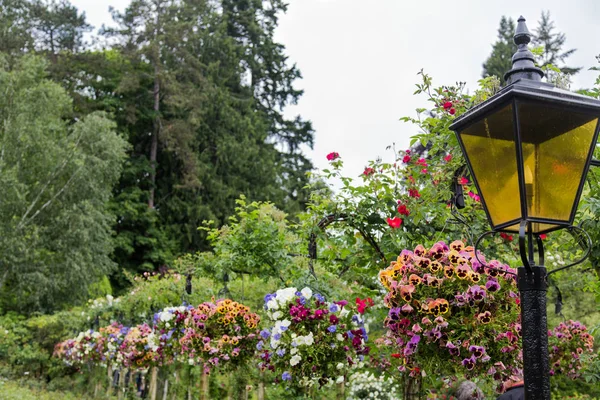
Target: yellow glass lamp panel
491	149
556	145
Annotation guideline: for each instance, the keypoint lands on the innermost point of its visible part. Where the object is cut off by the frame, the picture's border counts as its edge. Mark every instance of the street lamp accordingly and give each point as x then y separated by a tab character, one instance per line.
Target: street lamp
529	148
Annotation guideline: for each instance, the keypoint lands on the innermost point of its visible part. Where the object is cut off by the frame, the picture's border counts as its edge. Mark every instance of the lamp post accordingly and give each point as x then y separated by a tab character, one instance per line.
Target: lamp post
529	148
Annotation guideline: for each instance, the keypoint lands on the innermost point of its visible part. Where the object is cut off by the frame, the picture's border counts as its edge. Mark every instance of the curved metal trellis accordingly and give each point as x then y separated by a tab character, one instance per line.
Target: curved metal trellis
324	223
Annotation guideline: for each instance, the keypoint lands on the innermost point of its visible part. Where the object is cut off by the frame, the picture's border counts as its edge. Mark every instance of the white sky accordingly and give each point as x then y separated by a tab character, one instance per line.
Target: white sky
359	59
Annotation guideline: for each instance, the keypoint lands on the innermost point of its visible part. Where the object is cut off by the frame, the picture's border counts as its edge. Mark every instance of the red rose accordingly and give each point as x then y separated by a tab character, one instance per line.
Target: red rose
463	181
452	111
447	105
403	210
448	158
406	159
394	222
543	236
368	171
414	193
333	156
397	355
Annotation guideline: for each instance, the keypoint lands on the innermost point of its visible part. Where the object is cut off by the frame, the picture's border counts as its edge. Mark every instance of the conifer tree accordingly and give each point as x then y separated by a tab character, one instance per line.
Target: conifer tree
552	43
500	61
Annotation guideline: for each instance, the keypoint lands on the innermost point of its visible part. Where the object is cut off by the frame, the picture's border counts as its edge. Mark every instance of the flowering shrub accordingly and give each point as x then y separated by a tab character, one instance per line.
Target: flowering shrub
365	385
312	340
568	342
213	334
451	315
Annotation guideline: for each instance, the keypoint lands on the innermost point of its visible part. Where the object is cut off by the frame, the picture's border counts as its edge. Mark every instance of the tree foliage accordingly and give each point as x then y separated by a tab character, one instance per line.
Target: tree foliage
56	180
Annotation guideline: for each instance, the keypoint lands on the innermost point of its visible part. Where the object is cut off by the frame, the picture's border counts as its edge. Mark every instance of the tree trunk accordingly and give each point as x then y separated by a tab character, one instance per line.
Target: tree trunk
156	123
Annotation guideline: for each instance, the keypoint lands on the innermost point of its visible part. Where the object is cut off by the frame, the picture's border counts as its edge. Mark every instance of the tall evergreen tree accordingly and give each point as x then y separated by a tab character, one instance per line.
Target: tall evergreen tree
552	42
500	61
15	27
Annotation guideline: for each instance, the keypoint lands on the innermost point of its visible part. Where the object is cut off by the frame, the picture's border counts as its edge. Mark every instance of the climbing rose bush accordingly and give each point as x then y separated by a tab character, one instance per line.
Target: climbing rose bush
451	315
310	340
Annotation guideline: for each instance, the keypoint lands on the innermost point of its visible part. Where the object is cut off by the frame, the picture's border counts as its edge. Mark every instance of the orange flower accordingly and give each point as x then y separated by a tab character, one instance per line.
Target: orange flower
406	292
414	279
457	245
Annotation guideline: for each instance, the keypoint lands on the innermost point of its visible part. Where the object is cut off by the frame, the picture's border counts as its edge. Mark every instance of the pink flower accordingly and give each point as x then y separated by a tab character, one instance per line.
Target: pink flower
422	162
406	159
447	105
452	111
448	158
543	236
394	222
463	181
333	156
474	196
368	171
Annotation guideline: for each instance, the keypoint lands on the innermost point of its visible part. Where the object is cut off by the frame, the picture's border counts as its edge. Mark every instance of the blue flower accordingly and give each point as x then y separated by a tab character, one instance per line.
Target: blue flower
269	296
277	336
283	328
319	297
350	335
259	345
294	344
334	308
281	352
265	333
286	376
332	328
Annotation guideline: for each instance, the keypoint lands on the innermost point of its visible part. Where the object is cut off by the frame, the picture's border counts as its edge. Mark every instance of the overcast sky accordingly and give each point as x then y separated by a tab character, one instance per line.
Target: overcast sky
359	59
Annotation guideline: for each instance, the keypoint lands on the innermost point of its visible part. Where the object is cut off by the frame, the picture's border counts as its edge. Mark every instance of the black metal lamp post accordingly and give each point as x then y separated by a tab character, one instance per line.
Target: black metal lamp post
529	148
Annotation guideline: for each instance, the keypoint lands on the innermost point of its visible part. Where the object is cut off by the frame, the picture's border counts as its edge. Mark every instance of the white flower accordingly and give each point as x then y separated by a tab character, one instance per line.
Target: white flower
294	350
340	379
295	360
191	361
272	305
340	366
166	316
277	314
306	292
309	340
286	295
109	298
339	337
286	323
344	312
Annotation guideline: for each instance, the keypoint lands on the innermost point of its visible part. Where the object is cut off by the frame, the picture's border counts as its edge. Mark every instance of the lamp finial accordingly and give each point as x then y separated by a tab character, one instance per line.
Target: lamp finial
523	66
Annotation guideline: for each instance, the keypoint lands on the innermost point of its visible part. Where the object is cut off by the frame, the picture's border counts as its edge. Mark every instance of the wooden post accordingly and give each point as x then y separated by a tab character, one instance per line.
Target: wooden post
153	383
261	386
109	376
121	388
166	389
341	391
205	394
